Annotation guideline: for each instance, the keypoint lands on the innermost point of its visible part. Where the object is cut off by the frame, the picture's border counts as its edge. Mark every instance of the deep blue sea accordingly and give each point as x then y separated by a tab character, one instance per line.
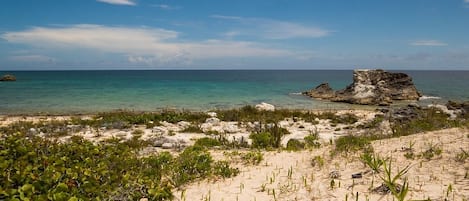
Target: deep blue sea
59	92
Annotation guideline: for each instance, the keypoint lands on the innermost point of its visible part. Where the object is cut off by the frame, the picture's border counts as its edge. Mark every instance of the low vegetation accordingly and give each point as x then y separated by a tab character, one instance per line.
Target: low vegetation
35	168
44	168
350	144
427	119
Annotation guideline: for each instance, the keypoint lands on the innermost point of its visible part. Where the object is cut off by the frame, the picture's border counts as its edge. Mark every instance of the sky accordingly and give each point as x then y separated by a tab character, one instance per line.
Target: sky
236	34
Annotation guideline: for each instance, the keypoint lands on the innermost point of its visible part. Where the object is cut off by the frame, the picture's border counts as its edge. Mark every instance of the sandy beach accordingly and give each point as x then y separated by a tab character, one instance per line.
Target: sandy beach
310	174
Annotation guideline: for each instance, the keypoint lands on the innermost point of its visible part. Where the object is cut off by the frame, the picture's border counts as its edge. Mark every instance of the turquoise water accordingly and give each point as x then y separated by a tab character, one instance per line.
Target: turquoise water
96	91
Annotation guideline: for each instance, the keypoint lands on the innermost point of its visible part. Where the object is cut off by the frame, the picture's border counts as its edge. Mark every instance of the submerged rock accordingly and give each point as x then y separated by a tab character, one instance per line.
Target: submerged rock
370	87
8	77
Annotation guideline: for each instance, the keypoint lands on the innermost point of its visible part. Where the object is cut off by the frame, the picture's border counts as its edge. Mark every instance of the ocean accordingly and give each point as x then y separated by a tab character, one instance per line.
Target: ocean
63	92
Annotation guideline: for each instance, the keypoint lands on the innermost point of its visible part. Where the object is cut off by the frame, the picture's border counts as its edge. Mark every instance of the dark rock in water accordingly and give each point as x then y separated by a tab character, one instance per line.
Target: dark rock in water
323	91
8	78
370	87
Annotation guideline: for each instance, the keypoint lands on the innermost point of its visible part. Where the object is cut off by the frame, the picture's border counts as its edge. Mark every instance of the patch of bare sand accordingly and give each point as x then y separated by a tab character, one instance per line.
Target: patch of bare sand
291	176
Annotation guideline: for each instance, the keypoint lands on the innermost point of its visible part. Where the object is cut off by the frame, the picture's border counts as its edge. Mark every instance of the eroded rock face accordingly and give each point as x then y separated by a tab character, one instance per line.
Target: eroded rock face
8	78
370	87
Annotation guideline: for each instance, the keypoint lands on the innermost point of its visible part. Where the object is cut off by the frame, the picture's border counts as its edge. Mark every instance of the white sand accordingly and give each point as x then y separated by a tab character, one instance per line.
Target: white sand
428	178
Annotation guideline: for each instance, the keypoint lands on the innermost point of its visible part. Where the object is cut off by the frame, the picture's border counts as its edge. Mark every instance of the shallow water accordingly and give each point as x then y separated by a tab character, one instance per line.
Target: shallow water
95	91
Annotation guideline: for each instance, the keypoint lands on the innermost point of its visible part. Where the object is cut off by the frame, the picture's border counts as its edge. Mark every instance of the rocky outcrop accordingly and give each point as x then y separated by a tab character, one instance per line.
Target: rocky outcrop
370	87
8	78
322	91
463	107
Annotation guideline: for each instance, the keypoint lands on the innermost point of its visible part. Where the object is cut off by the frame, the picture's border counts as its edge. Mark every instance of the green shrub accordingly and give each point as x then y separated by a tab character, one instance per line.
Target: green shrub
207	142
223	169
429	119
352	144
34	168
194	162
253	158
261	140
295	145
312	140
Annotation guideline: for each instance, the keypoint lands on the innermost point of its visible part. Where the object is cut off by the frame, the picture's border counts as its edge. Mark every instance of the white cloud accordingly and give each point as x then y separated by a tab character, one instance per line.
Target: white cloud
119	2
428	43
33	58
467	1
165	6
138	45
273	29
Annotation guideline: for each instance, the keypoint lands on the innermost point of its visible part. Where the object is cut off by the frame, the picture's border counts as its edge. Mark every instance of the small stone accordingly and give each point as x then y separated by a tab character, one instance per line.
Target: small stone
167	145
357	176
212	114
212	120
265	107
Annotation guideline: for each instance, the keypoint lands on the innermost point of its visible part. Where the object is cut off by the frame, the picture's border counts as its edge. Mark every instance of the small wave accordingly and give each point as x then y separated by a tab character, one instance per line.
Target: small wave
429	97
296	93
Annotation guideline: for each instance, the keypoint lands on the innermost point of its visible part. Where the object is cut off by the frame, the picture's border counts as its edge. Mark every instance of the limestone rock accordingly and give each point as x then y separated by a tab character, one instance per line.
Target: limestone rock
167	145
370	87
8	78
463	106
213	120
212	114
322	91
265	107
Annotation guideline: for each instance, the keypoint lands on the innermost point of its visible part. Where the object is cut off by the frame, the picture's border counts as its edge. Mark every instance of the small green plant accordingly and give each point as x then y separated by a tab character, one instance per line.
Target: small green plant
462	156
312	140
432	151
390	180
449	190
409	155
372	161
332	184
317	161
295	145
252	157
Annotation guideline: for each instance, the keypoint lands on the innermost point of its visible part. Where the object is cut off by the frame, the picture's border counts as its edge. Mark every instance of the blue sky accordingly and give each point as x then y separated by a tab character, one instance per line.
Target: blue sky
241	34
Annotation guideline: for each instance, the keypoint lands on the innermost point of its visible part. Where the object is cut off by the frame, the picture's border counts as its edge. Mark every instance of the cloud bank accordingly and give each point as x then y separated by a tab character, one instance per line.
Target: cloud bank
272	29
139	45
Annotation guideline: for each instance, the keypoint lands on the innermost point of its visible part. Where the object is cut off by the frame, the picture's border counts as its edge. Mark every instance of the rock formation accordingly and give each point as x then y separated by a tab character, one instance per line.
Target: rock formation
461	106
370	87
8	78
265	107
